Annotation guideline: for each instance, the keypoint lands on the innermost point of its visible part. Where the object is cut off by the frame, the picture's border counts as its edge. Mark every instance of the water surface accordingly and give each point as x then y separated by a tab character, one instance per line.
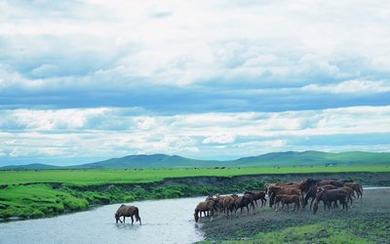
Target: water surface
163	221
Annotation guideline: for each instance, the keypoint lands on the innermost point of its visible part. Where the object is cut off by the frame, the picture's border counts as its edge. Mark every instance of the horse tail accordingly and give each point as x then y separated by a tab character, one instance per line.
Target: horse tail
137	217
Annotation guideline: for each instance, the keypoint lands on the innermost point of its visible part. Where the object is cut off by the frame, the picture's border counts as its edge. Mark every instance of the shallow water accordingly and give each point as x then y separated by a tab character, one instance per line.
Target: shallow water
375	187
163	221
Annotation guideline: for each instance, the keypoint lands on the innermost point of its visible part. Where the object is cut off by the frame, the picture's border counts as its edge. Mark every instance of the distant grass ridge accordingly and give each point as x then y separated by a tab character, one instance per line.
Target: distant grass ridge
290	158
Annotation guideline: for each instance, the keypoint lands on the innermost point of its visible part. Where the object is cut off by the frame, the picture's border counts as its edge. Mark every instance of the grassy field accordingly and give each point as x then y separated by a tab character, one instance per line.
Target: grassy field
357	231
87	177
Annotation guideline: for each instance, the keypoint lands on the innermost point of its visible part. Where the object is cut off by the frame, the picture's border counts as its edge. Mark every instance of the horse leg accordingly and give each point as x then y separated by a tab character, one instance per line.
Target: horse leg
350	199
132	219
306	200
311	203
124	219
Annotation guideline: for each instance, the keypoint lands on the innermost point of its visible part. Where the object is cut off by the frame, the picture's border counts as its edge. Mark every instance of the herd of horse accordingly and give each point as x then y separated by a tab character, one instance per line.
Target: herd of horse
280	196
331	192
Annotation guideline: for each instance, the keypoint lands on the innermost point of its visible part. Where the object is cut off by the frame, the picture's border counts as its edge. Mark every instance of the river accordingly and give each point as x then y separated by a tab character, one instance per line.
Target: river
163	221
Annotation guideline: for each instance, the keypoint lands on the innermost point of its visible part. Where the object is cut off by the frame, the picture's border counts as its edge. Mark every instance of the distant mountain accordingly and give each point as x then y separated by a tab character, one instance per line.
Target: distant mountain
148	161
289	158
29	167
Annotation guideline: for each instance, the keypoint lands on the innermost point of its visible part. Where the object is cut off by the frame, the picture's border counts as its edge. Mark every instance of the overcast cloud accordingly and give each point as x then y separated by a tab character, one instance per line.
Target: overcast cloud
88	80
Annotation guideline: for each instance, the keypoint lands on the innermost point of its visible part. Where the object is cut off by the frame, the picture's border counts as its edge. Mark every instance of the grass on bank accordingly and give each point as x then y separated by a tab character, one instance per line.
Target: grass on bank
102	176
357	231
33	201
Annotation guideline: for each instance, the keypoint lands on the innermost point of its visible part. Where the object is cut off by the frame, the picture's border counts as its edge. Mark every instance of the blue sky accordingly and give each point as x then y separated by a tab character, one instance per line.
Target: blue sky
88	80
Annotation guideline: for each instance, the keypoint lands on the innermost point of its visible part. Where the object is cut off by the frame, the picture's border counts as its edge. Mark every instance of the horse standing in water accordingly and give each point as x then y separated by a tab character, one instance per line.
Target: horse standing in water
127	211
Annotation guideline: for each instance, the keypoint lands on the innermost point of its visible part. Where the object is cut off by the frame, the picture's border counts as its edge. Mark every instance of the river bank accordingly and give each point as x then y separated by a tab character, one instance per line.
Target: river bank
36	200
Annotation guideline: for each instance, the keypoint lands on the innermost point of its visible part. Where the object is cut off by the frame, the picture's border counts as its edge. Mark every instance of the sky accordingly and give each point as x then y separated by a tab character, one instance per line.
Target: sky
87	80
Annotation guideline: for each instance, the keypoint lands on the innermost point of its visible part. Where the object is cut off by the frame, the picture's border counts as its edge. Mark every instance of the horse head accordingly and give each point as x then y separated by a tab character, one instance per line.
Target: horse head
117	218
196	217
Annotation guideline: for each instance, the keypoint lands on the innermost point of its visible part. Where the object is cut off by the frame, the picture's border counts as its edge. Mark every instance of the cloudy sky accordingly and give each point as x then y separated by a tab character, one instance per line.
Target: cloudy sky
92	79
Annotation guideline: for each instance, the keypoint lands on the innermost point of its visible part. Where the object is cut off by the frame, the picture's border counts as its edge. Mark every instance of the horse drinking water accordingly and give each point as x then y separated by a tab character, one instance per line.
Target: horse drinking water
127	211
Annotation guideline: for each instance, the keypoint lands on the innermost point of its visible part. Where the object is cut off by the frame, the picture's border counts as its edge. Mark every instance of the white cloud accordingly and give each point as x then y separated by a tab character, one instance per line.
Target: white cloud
47	120
84	132
351	86
219	139
278	39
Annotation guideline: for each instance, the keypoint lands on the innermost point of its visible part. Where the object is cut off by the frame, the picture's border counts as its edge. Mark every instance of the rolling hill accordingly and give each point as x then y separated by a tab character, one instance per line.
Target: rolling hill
148	161
30	167
289	158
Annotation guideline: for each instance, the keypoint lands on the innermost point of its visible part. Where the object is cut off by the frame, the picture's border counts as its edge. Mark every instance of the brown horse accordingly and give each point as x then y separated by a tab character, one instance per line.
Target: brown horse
274	190
228	204
207	208
287	200
333	182
349	191
127	211
356	188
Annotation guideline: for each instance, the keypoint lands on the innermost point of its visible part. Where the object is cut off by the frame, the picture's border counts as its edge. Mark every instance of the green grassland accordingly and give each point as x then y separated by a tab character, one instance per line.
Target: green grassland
103	176
39	193
358	230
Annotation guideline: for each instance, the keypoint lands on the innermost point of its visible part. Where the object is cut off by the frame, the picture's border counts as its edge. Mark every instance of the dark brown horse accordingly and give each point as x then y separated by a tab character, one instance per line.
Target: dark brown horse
127	211
329	197
258	195
244	202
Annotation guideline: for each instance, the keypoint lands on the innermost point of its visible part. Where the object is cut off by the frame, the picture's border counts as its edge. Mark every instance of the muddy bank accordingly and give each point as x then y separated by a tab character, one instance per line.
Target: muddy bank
240	182
64	198
368	218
